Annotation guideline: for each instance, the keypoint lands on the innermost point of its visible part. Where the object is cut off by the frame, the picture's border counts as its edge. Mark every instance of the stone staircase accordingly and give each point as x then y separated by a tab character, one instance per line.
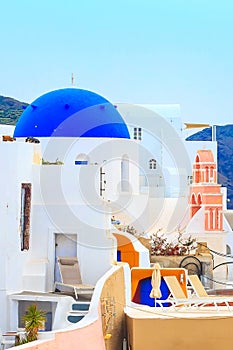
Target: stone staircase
79	310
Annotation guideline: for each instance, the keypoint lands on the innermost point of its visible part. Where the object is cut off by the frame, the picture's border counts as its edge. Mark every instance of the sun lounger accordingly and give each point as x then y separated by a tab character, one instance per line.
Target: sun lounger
200	291
197	286
178	299
71	277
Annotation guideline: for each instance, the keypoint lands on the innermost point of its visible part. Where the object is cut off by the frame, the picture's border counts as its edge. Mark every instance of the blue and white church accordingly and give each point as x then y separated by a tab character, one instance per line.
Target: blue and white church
74	160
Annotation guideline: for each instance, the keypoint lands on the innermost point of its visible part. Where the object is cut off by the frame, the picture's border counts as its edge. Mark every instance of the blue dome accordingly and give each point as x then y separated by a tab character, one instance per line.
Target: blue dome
71	112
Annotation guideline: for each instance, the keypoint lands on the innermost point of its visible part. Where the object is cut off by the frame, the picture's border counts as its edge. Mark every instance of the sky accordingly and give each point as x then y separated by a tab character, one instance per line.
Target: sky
147	51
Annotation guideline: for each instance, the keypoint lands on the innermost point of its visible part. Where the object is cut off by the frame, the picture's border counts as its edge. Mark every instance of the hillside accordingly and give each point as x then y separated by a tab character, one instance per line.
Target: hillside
224	136
10	110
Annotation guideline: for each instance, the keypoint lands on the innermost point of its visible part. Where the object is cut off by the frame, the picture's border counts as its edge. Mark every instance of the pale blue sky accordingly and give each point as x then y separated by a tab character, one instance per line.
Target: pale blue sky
148	51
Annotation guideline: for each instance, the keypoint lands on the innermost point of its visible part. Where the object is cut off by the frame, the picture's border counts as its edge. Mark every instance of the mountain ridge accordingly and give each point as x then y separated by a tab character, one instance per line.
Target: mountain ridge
10	110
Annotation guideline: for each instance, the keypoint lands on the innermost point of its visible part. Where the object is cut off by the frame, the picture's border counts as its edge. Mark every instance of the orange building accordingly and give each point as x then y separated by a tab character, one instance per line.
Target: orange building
205	191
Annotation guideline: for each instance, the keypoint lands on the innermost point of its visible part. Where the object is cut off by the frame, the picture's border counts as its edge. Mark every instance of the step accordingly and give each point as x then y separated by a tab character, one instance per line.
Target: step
75	318
81	306
78	312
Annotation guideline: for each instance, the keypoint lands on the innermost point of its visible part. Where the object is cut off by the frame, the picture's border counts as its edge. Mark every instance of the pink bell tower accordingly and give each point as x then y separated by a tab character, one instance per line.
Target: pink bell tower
205	192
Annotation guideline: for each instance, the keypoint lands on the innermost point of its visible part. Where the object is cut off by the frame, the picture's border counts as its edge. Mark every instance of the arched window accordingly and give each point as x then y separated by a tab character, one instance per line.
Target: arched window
207	174
212	174
197	174
211	219
125	174
195	204
218	219
211	171
197	158
152	164
193	199
81	159
199	199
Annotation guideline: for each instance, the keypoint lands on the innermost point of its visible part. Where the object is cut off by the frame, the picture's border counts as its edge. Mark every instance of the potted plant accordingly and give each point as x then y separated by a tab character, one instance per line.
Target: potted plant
161	246
34	320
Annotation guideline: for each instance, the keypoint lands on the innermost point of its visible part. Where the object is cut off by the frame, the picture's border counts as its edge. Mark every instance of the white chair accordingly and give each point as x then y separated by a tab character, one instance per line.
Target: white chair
7	340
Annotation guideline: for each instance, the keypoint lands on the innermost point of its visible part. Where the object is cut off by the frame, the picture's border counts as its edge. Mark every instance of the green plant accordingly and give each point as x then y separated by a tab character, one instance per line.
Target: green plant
34	320
57	162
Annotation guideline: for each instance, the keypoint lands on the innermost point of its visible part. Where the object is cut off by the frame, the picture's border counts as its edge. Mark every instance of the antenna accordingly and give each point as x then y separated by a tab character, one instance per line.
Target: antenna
214	131
72	79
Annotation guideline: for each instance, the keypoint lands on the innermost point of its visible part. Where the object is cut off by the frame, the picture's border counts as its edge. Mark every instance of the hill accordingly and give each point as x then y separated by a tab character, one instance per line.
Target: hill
224	136
10	110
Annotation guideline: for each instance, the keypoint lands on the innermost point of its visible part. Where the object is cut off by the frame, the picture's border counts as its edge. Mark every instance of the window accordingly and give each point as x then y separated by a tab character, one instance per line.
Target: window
137	133
211	174
190	180
207	174
25	215
46	306
125	173
81	159
81	162
152	164
102	181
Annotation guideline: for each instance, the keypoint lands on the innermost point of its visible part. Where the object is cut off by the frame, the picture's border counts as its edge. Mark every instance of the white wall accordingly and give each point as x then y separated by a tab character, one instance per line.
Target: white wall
60	208
161	140
7	130
16	160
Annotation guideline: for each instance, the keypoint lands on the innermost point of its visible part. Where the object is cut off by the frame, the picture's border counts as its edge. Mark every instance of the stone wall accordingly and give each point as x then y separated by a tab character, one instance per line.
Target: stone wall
172	261
112	307
189	262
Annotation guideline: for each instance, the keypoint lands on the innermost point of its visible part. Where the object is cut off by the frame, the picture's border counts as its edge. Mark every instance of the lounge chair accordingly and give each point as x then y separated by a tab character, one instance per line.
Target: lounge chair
197	286
71	277
178	299
200	291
